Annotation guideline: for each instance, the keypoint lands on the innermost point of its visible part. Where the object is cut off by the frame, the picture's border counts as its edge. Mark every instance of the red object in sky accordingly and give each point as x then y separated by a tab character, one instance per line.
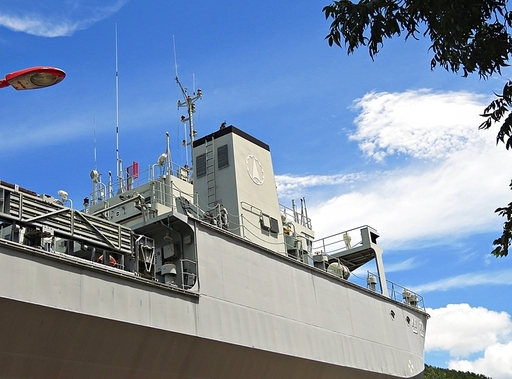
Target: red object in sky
33	78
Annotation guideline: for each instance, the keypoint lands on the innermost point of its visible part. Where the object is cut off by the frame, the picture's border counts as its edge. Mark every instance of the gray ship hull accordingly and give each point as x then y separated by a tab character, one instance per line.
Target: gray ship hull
252	314
40	342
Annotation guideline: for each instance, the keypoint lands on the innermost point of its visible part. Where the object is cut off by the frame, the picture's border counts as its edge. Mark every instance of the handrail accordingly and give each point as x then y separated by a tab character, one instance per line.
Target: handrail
339	242
101	193
397	292
291	215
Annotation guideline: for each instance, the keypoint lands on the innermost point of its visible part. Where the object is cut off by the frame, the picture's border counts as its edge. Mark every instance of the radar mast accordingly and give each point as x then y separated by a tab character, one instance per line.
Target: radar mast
189	102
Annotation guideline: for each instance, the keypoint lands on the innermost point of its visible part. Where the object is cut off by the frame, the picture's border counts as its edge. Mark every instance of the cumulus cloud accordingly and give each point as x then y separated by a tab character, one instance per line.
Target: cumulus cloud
52	18
420	123
463	330
496	362
452	198
449	186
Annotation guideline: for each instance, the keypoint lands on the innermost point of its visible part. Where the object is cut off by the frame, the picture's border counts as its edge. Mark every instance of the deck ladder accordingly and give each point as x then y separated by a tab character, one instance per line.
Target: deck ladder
210	172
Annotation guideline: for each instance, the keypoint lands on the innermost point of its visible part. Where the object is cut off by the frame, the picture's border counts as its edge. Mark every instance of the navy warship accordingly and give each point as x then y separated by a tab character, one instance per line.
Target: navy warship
180	272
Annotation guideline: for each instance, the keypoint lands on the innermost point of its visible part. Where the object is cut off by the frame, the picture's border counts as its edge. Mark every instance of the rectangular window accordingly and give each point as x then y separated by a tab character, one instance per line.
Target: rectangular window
274	225
201	165
222	157
270	224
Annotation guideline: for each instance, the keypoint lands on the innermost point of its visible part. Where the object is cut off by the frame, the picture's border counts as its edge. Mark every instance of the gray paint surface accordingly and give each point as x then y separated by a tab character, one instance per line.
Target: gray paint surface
248	299
252	312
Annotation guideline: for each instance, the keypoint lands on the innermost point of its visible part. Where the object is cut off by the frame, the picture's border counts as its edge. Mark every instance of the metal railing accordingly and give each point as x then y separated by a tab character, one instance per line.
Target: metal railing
339	242
397	292
293	215
104	191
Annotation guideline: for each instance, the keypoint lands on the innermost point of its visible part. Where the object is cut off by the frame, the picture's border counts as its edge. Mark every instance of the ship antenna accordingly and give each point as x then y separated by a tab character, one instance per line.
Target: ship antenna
119	163
94	143
175	61
168	152
95	176
189	102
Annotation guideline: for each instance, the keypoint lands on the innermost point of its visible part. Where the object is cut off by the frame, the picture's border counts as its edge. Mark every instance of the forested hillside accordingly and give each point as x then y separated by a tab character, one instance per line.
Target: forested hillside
443	373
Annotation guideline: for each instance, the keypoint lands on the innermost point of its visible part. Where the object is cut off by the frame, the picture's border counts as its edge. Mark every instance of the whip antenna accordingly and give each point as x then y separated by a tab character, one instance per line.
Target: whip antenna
118	159
94	142
175	61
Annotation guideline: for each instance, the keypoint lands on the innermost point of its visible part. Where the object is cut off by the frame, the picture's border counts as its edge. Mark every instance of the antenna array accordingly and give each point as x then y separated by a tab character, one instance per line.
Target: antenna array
189	102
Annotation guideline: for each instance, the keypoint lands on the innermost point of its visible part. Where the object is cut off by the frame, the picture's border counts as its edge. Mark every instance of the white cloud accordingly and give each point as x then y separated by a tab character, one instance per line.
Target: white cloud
289	185
439	201
419	123
463	330
451	191
52	18
408	264
503	277
48	135
496	362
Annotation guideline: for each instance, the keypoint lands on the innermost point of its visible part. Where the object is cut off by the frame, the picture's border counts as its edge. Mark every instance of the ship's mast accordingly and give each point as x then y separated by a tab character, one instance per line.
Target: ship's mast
189	102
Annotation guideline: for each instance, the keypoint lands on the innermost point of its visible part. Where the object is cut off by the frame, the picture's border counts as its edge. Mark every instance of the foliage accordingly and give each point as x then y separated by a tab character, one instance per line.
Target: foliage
503	243
468	36
442	373
499	110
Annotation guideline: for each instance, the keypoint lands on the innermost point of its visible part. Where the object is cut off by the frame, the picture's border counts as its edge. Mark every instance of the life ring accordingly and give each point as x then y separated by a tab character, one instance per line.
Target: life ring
112	260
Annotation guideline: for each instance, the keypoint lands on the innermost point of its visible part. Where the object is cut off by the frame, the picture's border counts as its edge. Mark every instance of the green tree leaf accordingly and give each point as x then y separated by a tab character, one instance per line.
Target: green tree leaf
467	36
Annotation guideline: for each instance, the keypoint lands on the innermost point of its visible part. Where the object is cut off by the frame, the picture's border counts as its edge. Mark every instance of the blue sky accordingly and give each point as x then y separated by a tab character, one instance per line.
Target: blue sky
387	143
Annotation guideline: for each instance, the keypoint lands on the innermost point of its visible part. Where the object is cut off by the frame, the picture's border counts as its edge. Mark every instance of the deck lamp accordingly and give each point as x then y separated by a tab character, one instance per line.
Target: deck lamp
64	198
33	78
